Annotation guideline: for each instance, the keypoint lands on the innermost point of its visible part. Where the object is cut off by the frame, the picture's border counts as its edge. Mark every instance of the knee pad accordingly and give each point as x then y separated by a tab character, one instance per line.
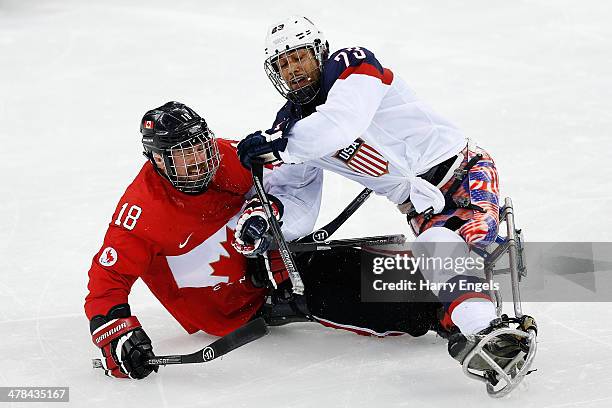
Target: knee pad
435	246
440	242
439	234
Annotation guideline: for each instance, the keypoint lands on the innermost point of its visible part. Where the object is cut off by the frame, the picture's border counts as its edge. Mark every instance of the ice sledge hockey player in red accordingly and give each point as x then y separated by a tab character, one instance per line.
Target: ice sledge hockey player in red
172	228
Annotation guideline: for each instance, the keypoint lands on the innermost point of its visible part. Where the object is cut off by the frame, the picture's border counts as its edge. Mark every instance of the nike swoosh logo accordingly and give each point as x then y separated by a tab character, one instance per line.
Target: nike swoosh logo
182	244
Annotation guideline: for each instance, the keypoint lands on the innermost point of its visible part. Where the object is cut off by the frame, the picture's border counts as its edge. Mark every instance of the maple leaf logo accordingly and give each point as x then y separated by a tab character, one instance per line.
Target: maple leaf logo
230	264
211	263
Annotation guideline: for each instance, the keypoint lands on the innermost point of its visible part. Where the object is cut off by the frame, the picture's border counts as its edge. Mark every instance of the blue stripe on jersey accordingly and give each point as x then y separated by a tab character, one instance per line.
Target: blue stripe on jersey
286	112
340	60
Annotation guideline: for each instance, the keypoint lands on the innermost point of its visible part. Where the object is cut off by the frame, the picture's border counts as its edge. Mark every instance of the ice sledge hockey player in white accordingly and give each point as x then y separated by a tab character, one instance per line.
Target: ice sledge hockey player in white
348	114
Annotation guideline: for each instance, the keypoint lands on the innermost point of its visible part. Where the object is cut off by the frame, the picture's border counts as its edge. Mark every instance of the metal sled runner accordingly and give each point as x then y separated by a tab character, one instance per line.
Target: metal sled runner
502	380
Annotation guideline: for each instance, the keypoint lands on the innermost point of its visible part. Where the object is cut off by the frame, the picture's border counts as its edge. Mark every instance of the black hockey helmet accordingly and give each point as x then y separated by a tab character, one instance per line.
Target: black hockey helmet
181	146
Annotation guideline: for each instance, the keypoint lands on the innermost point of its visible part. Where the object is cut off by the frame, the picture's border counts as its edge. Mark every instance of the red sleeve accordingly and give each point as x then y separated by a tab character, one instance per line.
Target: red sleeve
126	252
114	269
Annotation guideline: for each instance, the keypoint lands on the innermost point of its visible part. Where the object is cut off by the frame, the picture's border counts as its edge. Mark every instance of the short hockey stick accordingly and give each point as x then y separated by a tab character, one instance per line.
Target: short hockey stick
253	330
283	248
325	232
350	242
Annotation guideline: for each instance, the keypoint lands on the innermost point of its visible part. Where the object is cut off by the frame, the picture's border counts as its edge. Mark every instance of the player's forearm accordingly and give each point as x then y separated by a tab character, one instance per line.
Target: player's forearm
300	216
100	304
106	290
316	136
299	188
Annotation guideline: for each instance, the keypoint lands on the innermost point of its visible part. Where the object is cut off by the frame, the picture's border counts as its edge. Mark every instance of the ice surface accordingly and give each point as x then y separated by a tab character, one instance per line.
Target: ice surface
529	80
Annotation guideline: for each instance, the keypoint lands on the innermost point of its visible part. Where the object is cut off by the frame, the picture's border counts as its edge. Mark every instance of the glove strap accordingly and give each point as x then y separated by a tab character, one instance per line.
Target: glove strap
114	329
255	205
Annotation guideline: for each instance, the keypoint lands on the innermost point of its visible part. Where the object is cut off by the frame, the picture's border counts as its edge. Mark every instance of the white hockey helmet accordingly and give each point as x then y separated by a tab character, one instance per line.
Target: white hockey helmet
285	37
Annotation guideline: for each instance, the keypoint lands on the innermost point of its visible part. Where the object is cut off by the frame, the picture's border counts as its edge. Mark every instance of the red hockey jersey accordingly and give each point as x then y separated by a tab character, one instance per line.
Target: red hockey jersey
180	246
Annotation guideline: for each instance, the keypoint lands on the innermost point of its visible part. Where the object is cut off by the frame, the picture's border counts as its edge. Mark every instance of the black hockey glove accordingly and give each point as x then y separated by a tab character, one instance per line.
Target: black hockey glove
252	236
124	344
262	148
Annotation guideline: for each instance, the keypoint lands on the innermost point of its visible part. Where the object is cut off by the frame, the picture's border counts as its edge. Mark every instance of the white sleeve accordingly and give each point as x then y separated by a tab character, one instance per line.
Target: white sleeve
346	114
299	188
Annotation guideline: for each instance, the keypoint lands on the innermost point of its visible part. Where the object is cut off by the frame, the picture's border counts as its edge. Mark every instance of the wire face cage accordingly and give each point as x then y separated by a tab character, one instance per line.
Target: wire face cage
295	73
191	164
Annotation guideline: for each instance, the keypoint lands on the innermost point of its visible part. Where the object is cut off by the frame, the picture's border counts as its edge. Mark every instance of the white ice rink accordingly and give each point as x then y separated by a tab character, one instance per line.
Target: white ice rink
529	80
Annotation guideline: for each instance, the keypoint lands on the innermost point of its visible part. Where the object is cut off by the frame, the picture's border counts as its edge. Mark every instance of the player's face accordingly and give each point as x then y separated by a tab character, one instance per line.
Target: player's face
299	68
190	164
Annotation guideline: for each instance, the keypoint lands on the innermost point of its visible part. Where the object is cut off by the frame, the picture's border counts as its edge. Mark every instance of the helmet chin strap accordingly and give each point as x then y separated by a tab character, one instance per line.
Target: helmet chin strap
159	170
306	94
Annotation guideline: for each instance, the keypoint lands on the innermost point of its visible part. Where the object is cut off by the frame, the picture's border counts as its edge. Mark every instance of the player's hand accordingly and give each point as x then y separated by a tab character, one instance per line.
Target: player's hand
262	148
252	236
270	273
124	345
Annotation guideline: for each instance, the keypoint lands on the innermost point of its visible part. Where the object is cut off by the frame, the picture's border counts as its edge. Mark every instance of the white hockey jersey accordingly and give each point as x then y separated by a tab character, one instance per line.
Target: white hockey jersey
299	188
370	127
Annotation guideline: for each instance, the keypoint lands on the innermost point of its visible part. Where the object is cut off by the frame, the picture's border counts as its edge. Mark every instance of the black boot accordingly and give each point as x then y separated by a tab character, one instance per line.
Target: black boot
502	349
278	312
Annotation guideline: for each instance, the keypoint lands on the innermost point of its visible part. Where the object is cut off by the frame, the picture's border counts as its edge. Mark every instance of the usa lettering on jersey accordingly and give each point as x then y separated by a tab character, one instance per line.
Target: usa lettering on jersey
363	158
